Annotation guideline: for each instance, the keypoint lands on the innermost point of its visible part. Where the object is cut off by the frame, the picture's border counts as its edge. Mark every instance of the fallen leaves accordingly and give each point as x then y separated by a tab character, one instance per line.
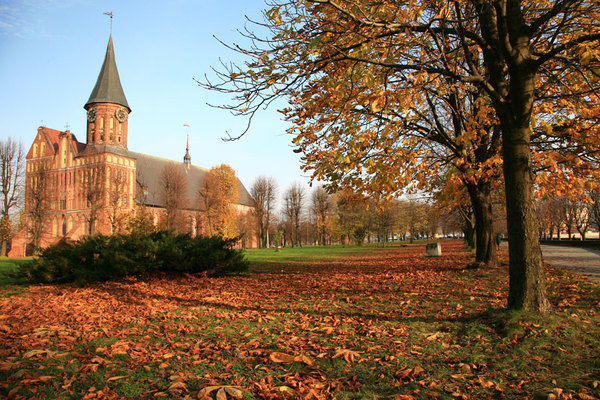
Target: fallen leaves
221	392
284	358
409	374
348	355
320	328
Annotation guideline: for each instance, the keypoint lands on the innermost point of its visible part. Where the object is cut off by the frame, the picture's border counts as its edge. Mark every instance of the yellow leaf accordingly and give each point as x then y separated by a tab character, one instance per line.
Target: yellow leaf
484	383
116	378
286	389
282	358
36	352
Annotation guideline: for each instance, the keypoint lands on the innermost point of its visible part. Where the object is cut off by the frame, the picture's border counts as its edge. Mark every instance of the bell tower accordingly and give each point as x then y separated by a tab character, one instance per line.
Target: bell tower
107	108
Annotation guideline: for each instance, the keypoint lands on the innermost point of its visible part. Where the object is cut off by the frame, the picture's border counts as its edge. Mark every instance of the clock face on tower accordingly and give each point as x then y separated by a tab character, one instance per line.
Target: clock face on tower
91	115
121	115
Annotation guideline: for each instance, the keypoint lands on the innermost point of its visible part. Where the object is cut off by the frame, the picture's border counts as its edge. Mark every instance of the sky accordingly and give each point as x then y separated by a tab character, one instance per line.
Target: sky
51	53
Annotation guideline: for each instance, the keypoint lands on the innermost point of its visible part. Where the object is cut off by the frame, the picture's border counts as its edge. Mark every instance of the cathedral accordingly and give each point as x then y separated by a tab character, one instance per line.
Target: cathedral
74	189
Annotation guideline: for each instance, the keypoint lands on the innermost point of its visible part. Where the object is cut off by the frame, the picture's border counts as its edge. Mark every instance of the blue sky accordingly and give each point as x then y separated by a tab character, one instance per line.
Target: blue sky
51	53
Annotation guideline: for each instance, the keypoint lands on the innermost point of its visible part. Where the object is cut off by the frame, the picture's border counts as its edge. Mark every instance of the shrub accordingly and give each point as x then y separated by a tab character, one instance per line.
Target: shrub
101	258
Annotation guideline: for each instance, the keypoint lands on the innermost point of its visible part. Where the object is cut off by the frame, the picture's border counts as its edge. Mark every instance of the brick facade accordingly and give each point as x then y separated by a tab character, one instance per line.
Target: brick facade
86	188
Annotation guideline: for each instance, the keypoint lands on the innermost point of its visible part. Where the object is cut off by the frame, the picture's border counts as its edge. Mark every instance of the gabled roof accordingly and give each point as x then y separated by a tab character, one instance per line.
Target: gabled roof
108	87
149	170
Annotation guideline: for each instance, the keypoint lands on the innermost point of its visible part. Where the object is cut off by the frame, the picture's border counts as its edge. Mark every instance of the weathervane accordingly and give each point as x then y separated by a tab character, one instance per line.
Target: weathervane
110	14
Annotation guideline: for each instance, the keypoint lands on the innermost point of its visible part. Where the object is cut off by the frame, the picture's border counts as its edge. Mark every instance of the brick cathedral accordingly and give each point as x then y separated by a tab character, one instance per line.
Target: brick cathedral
69	181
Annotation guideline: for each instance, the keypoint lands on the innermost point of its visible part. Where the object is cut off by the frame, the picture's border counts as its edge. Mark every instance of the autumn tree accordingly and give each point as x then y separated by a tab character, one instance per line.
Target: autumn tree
264	192
551	216
413	217
293	204
219	191
353	215
12	174
523	60
173	192
384	215
322	208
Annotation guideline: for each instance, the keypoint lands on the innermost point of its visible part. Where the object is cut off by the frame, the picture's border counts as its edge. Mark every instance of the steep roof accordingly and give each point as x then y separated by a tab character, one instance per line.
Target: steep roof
108	87
149	169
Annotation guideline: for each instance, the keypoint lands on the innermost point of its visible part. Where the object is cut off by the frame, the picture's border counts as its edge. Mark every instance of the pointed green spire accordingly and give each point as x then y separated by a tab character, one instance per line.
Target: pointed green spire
108	87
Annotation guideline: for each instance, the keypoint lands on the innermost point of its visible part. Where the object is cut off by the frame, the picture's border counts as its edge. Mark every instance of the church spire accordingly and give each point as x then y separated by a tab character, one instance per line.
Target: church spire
108	87
187	159
107	108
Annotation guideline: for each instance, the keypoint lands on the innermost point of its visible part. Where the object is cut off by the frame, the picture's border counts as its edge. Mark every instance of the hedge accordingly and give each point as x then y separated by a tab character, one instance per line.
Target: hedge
101	258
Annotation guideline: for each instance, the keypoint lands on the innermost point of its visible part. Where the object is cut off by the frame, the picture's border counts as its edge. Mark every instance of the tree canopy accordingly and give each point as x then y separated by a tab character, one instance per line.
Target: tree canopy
374	85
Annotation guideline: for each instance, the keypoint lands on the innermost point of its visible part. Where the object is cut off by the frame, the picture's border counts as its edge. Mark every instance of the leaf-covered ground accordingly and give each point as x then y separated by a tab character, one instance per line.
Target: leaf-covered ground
381	324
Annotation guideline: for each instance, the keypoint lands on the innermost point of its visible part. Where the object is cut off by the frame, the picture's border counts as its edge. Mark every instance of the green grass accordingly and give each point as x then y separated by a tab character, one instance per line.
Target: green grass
8	266
309	254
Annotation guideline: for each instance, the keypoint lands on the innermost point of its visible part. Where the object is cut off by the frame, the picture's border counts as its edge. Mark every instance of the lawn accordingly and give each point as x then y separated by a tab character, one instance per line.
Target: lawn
343	323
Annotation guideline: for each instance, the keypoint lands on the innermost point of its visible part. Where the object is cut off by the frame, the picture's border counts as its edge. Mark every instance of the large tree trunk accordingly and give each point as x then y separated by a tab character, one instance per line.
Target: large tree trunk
3	249
481	201
527	289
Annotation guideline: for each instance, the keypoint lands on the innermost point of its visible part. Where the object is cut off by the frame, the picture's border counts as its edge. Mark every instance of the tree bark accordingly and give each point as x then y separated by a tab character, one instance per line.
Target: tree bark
481	201
527	289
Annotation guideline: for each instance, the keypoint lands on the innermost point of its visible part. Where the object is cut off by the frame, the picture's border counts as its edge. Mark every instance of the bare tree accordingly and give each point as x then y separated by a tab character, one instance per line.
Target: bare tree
117	199
173	188
567	215
263	192
582	217
12	171
294	202
39	196
245	225
595	208
322	207
93	188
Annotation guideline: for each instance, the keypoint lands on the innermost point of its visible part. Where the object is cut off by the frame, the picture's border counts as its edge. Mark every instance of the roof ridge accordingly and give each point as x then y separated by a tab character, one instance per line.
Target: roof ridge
167	159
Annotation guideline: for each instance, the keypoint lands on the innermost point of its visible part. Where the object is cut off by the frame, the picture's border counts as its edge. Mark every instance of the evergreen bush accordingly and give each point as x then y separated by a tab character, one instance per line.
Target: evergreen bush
101	258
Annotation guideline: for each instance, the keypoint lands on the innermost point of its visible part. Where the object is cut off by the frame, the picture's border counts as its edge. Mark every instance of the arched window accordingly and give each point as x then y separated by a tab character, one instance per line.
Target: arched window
35	150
